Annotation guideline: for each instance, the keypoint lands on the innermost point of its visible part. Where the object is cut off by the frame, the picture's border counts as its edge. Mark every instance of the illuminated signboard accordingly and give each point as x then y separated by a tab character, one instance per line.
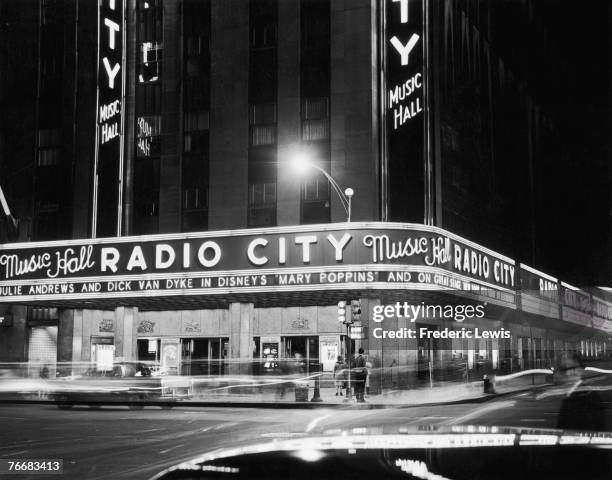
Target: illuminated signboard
404	106
575	305
356	256
539	284
405	50
575	298
539	292
109	118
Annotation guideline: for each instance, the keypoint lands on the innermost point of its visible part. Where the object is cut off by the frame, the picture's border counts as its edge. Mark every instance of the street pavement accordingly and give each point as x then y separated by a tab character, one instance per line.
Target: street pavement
118	443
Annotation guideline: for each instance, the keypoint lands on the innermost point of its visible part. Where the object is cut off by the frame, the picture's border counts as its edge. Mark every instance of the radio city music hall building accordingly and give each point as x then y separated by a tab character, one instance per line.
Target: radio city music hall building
162	218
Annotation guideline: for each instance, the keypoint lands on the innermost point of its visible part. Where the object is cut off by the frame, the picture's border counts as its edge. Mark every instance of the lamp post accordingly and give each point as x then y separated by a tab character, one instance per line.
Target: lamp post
301	163
13	223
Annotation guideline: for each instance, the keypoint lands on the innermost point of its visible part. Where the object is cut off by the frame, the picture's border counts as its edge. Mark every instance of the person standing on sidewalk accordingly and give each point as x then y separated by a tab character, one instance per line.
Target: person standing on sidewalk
361	374
339	375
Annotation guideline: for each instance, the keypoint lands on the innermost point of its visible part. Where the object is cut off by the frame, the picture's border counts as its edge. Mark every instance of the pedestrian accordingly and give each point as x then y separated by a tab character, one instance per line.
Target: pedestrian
339	375
361	375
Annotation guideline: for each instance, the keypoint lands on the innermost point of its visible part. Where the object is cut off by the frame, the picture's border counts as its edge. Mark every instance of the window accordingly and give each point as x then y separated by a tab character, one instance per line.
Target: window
148	204
196	46
146	196
263	36
263	124
49	147
197	55
148	136
47	221
315	201
149	20
149	62
315	48
263	66
196	125
316	190
148	349
262	194
315	24
262	76
195	198
262	204
315	119
315	74
148	99
263	19
263	113
196	119
194	193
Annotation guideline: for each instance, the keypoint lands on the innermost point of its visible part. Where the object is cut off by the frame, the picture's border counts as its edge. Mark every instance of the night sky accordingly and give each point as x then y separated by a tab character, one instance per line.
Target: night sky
581	99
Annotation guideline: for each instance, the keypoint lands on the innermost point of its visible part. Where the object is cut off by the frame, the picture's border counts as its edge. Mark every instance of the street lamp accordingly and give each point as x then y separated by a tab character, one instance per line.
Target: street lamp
13	223
301	163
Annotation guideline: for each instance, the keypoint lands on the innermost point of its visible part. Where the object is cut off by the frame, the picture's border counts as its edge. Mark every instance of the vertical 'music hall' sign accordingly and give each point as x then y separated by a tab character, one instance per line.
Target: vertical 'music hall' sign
107	189
404	108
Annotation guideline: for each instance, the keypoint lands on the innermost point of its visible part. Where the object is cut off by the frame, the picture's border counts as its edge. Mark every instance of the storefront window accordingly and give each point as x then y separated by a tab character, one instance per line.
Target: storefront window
302	348
203	356
148	349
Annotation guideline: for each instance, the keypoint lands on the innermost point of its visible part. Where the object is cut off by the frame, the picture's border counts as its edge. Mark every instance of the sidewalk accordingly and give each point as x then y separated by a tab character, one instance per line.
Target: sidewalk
234	392
442	392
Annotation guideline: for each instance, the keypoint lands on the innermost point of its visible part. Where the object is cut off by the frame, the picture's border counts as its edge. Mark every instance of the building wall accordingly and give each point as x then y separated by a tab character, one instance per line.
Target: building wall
499	152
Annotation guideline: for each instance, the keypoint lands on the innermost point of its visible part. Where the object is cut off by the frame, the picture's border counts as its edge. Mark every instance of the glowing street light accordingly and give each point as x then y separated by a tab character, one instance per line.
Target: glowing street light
12	221
301	162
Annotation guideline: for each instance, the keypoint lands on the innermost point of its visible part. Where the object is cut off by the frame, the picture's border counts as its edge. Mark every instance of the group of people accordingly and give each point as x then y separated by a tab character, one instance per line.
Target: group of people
352	376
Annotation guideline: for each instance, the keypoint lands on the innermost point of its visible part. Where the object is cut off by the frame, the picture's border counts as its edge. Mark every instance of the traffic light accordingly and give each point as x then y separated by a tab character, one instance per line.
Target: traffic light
342	311
355	310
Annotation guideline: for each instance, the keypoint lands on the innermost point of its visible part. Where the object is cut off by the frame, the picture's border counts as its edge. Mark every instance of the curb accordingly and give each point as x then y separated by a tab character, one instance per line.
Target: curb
283	405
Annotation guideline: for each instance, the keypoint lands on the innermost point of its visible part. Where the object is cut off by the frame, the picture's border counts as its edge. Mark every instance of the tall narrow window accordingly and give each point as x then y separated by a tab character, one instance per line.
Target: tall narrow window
263	124
315	119
262	186
263	89
315	74
196	115
49	147
149	38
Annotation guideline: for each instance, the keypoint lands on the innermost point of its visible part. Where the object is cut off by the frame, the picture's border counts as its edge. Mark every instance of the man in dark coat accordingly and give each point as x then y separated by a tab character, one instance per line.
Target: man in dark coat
360	375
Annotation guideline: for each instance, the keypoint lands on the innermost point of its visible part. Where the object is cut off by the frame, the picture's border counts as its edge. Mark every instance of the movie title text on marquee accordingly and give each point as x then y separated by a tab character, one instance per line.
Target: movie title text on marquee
360	256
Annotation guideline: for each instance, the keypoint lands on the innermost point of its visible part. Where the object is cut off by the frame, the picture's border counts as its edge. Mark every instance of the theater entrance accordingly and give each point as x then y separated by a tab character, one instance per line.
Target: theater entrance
204	356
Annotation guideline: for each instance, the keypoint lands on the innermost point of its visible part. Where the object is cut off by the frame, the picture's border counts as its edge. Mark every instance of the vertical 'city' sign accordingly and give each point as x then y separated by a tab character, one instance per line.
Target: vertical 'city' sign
405	81
109	118
404	108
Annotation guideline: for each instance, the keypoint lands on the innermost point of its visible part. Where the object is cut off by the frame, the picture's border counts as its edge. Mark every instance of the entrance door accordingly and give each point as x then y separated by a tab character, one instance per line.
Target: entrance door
42	351
302	349
148	349
203	356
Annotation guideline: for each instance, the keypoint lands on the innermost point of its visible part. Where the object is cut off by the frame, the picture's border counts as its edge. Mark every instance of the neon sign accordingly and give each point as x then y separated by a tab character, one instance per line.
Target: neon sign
109	119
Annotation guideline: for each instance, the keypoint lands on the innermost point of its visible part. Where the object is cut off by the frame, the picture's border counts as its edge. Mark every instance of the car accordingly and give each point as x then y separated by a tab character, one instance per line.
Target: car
131	383
457	453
